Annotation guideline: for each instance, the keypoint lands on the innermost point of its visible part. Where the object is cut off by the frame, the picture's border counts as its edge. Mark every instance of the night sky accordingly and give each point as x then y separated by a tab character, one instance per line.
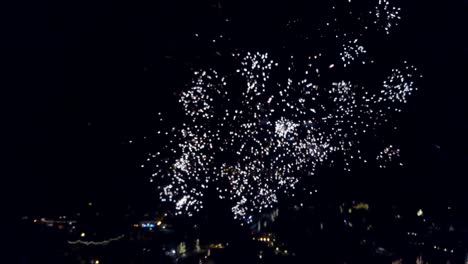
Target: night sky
89	76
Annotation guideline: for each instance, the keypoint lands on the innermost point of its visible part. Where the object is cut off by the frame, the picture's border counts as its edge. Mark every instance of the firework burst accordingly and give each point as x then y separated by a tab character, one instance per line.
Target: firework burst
252	133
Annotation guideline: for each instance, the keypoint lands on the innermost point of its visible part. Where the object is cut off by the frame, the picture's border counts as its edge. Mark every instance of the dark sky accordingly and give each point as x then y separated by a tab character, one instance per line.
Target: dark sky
87	76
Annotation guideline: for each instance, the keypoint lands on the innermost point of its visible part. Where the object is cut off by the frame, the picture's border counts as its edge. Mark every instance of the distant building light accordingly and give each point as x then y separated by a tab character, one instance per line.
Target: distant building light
361	205
83	234
147	225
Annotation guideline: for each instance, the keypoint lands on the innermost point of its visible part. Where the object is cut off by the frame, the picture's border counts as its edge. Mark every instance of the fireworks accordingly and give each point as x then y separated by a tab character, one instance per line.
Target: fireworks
272	135
252	133
352	51
388	155
386	15
399	85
